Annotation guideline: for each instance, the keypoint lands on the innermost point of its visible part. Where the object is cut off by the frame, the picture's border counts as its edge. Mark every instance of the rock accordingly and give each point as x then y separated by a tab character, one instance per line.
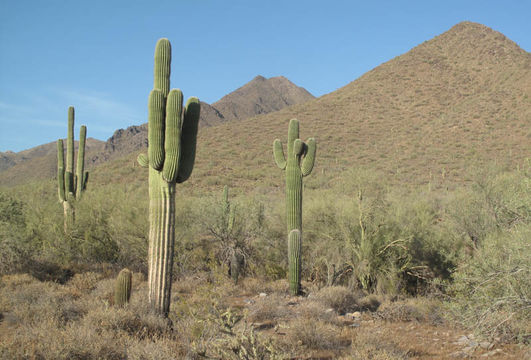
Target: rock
328	311
459	355
264	325
249	301
354	315
492	353
355	325
262	295
462	340
471	336
486	345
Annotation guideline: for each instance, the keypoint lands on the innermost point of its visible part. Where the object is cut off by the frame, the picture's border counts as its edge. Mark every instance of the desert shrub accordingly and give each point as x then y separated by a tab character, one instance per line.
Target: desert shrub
37	302
367	345
47	341
339	298
315	335
15	249
270	308
492	289
378	240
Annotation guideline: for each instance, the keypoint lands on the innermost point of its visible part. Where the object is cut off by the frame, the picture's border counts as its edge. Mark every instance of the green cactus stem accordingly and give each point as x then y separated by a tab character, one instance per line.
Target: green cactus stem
71	187
298	163
294	269
122	288
236	265
172	133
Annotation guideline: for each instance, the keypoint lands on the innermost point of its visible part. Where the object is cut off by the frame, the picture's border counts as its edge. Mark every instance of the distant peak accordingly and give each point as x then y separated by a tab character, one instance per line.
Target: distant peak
466	27
259	78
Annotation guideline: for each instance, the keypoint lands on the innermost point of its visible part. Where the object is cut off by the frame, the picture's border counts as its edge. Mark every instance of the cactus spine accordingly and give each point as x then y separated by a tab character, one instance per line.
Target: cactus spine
172	134
122	288
70	187
298	163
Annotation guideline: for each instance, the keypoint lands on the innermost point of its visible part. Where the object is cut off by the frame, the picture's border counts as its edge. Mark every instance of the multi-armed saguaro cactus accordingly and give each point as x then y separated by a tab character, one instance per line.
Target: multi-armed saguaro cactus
122	287
172	133
71	186
298	163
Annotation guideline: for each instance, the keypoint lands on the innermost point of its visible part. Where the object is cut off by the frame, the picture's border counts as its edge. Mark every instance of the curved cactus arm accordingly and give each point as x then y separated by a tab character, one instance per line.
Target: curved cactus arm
172	142
61	170
156	109
188	139
85	179
309	158
69	170
298	147
162	66
142	160
278	153
80	166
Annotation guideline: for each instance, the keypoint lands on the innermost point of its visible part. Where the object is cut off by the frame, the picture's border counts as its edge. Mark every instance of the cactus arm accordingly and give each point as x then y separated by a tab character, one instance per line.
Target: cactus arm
298	147
61	170
143	160
188	139
294	253
69	171
162	66
309	157
278	154
156	109
172	144
85	179
81	162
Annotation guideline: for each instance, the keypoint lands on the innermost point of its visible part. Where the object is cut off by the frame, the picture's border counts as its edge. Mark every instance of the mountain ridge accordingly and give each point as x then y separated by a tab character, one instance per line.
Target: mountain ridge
260	93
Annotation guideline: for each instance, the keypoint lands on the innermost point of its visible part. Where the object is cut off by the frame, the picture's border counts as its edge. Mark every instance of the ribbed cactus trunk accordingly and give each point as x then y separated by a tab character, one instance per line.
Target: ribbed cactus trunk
294	270
172	134
161	240
298	163
70	187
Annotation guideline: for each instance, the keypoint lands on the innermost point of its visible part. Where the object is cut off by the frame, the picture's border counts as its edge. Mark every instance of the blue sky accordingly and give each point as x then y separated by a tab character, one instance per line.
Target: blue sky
98	55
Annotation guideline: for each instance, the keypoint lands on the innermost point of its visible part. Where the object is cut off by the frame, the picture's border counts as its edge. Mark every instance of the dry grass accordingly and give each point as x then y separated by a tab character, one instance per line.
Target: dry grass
44	320
339	298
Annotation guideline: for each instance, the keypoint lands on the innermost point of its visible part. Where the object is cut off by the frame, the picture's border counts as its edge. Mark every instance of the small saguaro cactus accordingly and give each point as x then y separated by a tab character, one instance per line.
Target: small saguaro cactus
70	186
172	134
298	163
122	287
237	258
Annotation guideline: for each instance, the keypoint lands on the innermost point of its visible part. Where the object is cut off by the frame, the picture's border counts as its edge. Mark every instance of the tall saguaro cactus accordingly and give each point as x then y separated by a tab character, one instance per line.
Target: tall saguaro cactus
298	163
172	134
70	186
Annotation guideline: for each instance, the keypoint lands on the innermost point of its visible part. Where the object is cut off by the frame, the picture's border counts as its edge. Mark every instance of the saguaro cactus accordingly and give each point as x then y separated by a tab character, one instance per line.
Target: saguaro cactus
70	187
237	259
122	287
172	133
298	163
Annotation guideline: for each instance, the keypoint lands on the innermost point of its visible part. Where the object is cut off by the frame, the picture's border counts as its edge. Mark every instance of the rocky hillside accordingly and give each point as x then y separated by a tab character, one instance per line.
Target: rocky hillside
259	96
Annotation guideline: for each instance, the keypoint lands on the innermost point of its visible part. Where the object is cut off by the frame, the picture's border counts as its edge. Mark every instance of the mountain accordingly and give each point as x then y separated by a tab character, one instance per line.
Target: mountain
259	96
37	163
459	100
